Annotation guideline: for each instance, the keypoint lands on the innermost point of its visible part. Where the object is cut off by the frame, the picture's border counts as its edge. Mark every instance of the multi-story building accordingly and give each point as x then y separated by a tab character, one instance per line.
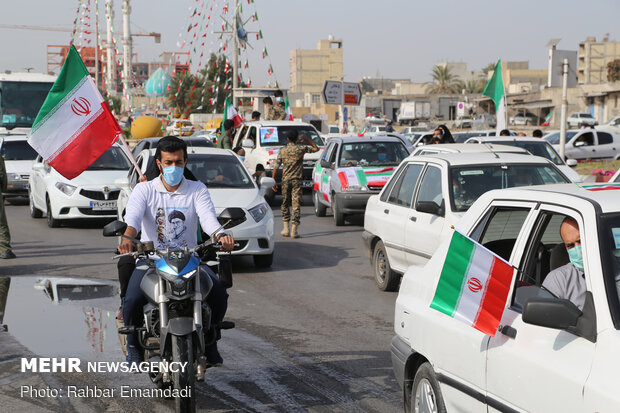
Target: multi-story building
309	69
593	58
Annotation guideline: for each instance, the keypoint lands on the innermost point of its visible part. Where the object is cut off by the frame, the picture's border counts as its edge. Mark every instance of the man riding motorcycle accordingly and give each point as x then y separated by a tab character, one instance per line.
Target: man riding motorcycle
156	208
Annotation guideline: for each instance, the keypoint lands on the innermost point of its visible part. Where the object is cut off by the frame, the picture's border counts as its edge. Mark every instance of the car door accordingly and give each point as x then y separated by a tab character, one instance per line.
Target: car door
583	146
533	368
325	174
252	156
423	229
40	171
606	147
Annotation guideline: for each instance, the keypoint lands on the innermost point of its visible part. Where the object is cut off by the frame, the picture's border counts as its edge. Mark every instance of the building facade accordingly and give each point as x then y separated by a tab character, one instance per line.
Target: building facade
309	69
593	58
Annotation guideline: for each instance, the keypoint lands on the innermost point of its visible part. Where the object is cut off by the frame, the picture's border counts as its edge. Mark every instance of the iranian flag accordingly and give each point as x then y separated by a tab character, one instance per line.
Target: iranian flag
74	126
547	119
495	90
231	113
362	132
289	112
474	285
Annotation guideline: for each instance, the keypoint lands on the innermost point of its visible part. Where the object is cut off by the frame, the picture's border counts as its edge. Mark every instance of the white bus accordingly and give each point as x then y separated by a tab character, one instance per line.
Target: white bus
21	97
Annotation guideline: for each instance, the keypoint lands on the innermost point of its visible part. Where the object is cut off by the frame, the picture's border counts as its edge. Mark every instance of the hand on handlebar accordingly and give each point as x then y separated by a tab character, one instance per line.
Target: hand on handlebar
125	247
227	242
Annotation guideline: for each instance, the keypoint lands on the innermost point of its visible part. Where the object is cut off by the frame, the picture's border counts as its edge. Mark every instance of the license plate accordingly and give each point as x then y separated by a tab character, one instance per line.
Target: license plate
103	205
307	184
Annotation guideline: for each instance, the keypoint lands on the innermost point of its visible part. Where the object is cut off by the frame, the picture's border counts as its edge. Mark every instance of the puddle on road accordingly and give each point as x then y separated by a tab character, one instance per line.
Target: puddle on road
61	316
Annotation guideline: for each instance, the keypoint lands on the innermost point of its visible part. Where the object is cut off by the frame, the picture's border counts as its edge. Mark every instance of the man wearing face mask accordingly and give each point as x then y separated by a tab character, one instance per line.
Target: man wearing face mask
172	195
568	281
279	112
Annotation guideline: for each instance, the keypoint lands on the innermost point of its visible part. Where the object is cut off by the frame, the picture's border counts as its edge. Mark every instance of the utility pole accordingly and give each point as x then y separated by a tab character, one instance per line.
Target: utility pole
111	58
126	50
564	108
235	53
97	43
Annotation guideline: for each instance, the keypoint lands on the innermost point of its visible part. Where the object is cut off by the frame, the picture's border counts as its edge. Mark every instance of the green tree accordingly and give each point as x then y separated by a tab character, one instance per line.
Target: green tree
444	82
488	68
613	71
474	86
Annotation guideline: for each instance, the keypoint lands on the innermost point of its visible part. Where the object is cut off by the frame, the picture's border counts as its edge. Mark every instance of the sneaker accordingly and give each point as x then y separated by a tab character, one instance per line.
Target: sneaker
133	356
213	356
8	255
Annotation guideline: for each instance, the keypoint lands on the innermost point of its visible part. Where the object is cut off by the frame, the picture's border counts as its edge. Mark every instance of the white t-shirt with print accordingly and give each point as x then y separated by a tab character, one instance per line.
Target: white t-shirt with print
170	219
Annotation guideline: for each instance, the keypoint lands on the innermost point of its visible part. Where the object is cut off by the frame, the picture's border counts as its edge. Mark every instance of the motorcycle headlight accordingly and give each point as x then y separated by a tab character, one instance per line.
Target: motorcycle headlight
13	177
66	188
179	286
259	211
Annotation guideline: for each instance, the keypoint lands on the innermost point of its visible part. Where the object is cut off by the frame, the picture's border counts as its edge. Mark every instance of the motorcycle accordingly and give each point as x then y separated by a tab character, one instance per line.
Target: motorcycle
178	323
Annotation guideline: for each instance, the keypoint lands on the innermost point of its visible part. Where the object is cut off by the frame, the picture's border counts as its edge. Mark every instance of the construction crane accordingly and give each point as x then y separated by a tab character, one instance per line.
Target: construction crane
156	36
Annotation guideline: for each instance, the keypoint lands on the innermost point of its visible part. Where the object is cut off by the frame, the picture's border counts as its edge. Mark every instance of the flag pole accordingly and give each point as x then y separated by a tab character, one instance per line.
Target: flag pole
123	141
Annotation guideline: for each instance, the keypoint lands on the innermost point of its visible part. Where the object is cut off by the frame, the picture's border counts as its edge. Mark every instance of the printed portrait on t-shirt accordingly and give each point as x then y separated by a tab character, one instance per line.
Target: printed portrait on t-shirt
176	228
160	220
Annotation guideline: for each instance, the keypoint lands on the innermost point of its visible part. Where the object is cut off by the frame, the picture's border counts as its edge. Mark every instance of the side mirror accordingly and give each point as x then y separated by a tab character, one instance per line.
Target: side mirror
429	207
114	229
247	143
579	144
264	183
231	217
326	164
571	162
551	312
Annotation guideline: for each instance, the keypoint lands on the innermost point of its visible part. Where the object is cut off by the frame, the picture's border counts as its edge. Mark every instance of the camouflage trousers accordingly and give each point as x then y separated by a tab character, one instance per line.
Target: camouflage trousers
291	199
5	235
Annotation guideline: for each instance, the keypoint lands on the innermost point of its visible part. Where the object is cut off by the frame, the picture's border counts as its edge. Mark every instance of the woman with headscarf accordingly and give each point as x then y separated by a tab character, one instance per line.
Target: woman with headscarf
443	133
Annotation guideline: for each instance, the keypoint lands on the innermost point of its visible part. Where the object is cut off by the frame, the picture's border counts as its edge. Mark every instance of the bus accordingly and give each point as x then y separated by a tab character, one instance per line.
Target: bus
21	97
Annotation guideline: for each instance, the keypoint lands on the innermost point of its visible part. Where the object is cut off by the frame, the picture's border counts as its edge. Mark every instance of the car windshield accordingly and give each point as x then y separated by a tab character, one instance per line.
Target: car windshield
468	183
554	138
112	159
20	102
18	151
372	153
276	135
219	171
542	149
609	236
461	137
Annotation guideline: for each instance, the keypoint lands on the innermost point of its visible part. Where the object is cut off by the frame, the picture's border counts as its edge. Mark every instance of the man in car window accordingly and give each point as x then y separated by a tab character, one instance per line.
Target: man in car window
225	141
568	281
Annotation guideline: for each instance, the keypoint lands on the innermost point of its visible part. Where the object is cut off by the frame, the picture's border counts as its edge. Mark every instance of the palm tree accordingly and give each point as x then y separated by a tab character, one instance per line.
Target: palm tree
444	81
474	86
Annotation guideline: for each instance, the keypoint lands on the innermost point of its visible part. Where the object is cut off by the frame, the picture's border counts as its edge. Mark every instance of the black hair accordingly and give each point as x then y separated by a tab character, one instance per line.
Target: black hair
176	214
236	149
228	124
268	101
256	115
292	135
170	144
537	133
504	132
278	94
260	167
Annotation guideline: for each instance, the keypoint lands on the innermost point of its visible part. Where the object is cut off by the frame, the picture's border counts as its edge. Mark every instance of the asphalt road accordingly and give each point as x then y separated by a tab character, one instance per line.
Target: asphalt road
313	332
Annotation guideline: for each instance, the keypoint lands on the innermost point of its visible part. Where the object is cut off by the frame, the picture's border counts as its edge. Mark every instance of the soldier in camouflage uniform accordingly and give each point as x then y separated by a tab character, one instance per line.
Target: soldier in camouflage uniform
268	108
279	111
5	235
291	158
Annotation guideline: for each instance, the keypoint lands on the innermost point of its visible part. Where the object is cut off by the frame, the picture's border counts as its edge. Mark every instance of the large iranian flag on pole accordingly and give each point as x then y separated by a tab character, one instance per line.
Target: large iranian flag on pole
231	113
474	285
495	90
74	126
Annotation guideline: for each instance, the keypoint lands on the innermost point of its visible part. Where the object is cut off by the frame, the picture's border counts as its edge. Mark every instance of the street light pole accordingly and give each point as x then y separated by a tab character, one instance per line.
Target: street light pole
235	53
564	108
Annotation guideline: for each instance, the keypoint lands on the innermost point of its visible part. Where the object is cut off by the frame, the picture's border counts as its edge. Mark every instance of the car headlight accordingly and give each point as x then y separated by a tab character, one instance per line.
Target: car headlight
66	188
13	177
259	211
356	188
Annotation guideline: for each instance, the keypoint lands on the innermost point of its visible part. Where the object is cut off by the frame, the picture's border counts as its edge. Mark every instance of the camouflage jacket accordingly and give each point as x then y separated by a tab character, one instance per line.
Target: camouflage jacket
225	141
278	112
268	113
3	177
291	157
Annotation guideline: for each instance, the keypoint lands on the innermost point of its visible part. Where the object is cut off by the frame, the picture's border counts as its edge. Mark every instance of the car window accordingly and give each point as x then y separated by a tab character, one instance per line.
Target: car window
501	228
394	180
112	159
133	173
372	153
542	149
408	184
219	171
604	138
276	135
17	151
587	139
430	186
393	197
609	230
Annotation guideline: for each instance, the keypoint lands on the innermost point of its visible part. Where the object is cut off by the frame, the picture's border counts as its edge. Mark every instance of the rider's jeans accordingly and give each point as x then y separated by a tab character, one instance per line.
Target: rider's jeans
134	299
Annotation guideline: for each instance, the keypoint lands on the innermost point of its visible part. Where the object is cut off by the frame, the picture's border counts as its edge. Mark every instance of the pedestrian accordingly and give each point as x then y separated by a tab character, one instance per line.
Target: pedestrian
352	128
389	127
5	236
225	141
537	133
268	108
279	111
255	115
291	158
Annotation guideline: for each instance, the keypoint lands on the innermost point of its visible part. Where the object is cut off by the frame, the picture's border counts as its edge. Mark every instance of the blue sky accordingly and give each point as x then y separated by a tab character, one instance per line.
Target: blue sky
392	38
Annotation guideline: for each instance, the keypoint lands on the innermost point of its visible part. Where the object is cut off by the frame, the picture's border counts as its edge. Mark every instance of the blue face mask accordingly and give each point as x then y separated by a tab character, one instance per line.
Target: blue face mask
279	99
173	175
242	158
576	257
382	156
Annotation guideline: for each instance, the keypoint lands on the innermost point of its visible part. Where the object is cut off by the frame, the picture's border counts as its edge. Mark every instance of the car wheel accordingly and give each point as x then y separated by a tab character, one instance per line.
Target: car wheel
385	277
51	221
425	394
34	211
338	215
319	208
270	196
263	261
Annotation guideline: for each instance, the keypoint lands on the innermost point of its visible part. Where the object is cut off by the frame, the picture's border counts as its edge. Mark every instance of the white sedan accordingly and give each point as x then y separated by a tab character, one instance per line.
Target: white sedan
92	194
548	354
230	184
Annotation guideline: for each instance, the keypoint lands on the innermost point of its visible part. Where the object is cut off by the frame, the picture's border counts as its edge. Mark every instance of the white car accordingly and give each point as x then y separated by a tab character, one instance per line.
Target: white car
576	120
523	119
263	139
428	194
92	194
535	146
180	127
584	144
615	177
466	148
19	157
230	185
547	354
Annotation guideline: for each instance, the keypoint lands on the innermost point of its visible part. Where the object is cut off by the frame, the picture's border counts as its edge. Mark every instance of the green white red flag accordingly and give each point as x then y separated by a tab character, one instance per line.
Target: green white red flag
289	112
74	125
474	285
231	113
495	90
547	119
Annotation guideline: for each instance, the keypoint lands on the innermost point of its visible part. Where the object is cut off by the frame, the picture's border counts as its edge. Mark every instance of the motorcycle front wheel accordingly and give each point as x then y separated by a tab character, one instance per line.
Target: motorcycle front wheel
182	352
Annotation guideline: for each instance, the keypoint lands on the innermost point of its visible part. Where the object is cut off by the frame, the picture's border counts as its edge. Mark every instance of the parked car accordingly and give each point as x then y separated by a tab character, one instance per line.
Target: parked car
463	122
466	148
337	180
413	129
461	137
520	119
428	194
612	125
263	139
192	142
230	184
208	134
547	355
576	120
535	146
19	157
180	127
92	194
485	120
583	144
376	129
